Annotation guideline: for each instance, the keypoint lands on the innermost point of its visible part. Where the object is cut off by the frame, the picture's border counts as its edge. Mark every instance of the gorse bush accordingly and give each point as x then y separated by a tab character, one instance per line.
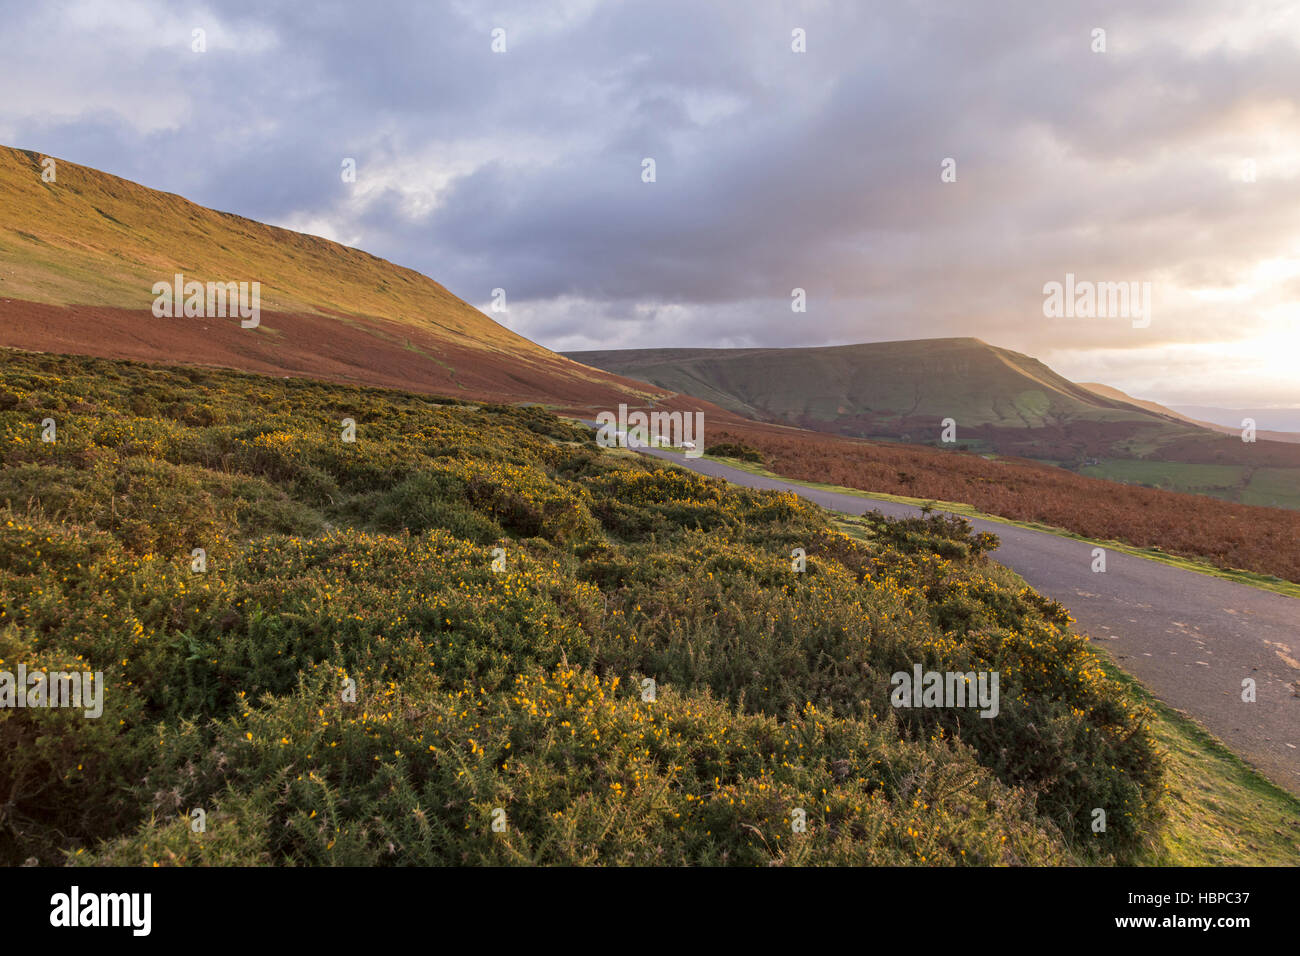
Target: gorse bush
472	636
737	450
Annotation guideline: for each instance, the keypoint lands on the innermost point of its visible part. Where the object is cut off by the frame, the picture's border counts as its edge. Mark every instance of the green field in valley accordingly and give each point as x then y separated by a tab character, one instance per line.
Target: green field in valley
1275	487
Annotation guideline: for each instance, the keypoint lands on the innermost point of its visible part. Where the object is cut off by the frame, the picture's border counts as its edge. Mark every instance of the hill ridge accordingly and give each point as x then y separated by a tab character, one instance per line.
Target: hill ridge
999	398
79	257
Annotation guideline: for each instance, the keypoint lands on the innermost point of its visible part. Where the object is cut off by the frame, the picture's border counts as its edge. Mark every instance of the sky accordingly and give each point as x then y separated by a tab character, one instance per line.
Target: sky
919	169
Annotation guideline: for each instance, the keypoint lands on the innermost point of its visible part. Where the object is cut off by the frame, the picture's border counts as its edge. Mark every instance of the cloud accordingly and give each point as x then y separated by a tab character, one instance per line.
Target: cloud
820	170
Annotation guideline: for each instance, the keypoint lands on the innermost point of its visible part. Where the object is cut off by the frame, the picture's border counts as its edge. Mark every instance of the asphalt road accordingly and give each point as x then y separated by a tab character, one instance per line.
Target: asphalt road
1190	638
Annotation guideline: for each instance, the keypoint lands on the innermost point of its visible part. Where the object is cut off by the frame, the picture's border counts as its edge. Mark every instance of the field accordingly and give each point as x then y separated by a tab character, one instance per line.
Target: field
1219	481
349	680
1224	534
1271	487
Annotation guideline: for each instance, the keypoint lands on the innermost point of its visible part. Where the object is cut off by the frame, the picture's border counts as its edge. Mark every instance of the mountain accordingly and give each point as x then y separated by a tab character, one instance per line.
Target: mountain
1107	391
1225	416
79	257
1282	420
999	399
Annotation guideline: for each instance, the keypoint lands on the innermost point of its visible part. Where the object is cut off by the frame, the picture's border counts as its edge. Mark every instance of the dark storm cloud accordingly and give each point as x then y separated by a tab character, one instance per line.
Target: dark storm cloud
775	170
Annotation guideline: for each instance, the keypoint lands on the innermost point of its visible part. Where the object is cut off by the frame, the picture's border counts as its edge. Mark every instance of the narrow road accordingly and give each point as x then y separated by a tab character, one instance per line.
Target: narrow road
1190	638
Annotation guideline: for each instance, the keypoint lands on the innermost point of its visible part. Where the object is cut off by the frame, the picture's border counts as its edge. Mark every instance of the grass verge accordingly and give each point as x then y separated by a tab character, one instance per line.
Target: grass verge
1220	811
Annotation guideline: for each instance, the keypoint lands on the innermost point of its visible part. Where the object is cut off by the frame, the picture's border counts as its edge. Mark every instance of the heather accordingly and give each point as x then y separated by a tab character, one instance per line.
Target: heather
1224	534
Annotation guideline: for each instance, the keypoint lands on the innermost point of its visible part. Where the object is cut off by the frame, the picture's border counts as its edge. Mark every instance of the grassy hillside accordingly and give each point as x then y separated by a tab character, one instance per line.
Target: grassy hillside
895	389
1107	391
79	257
94	239
1000	401
520	689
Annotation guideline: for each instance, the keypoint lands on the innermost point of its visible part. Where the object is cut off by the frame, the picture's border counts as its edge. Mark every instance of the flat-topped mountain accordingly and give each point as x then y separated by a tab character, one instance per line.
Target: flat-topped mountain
999	399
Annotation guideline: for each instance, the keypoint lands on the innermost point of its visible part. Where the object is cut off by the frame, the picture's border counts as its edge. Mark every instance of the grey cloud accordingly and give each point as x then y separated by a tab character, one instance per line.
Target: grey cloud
775	170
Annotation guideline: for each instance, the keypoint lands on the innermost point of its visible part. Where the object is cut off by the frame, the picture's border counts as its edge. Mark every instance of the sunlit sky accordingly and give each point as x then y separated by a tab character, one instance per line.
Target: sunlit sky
1173	157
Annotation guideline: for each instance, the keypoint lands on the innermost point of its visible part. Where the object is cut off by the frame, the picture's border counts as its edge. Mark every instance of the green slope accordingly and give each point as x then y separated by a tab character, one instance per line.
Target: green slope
80	253
90	238
902	390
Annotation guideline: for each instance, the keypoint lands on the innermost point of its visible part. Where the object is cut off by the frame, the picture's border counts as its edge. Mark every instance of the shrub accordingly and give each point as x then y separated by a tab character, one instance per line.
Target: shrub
505	679
738	450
